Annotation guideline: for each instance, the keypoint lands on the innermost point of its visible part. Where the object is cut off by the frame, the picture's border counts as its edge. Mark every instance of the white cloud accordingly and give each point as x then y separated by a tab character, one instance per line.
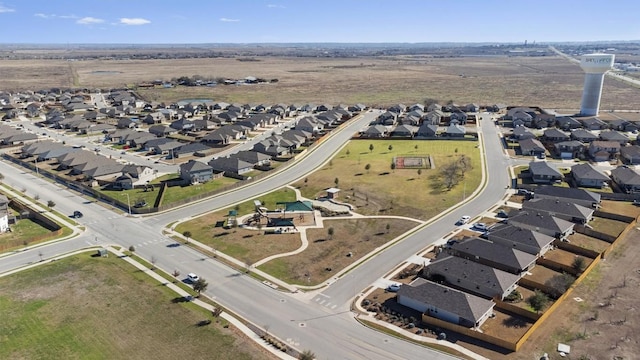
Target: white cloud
134	21
54	16
229	20
89	20
275	6
4	9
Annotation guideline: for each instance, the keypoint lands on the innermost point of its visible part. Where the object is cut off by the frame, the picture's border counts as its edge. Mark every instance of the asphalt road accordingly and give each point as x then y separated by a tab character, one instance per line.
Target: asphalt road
330	332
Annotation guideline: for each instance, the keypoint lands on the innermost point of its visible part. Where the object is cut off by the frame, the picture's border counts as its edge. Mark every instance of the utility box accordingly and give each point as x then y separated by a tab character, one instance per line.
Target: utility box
103	253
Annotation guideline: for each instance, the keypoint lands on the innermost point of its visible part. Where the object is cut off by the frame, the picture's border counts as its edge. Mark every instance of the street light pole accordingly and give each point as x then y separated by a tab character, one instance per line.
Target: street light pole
128	203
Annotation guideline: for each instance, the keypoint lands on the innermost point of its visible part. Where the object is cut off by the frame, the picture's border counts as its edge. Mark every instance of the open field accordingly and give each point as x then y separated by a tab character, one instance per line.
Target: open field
355	236
404	192
550	82
84	308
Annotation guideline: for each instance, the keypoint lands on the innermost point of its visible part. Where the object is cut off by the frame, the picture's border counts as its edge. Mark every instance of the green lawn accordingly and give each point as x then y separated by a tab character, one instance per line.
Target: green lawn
381	190
177	193
98	308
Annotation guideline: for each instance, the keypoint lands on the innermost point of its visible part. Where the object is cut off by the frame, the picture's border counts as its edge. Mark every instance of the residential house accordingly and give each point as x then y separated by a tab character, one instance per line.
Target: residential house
554	135
472	277
572	149
253	157
562	209
613	135
417	107
445	303
454	130
618	124
427	131
405	131
471	108
4	213
521	133
154	118
357	108
297	137
433	107
586	175
387	118
574	195
544	121
496	107
195	149
521	116
520	238
182	125
567	123
273	146
531	147
594	124
411	119
492	254
542	172
398	108
203	124
603	150
136	175
126	123
584	136
375	131
310	124
433	117
541	222
632	127
459	116
627	179
630	154
230	166
161	130
196	172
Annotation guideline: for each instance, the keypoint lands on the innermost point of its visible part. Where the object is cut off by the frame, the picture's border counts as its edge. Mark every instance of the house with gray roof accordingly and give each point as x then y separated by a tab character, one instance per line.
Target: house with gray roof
230	166
562	209
567	123
603	150
594	124
524	239
161	130
630	154
17	137
584	136
540	221
445	303
578	196
427	131
433	117
542	172
531	147
627	179
309	124
613	135
196	149
492	254
572	149
521	133
404	131
554	135
455	130
585	175
195	172
375	131
105	172
472	277
253	157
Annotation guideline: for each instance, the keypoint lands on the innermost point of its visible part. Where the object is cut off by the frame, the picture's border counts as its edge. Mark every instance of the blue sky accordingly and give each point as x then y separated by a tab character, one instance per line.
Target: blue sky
273	21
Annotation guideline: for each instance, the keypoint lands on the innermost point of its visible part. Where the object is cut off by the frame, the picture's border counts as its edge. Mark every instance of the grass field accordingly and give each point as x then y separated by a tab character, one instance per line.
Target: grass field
381	190
96	308
358	236
245	245
550	81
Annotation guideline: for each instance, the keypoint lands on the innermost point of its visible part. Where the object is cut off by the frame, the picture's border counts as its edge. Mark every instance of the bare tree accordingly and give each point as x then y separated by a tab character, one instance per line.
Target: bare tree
330	232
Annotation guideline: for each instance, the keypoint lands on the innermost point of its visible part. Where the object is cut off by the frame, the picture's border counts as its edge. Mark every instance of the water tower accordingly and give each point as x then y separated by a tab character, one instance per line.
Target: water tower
595	66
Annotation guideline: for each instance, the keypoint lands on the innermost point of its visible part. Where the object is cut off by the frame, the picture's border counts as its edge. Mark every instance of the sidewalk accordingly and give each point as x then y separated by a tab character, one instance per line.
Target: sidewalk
232	320
39	208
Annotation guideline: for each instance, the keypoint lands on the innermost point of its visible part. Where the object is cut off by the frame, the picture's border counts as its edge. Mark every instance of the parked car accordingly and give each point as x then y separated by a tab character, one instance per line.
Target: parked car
77	214
502	214
393	287
480	226
465	219
192	278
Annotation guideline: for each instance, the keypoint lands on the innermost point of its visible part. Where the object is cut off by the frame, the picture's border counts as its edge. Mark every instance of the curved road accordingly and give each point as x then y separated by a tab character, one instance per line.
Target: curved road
292	317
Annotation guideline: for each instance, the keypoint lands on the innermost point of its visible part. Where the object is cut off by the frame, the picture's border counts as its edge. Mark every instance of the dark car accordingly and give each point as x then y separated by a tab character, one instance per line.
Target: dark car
77	214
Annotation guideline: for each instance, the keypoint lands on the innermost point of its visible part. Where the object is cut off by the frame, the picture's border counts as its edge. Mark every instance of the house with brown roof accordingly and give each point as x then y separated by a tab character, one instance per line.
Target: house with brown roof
603	150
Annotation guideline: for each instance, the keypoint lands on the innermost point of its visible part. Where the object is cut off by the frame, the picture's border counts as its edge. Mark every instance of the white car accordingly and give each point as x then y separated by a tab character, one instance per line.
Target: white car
192	277
465	219
480	226
393	287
